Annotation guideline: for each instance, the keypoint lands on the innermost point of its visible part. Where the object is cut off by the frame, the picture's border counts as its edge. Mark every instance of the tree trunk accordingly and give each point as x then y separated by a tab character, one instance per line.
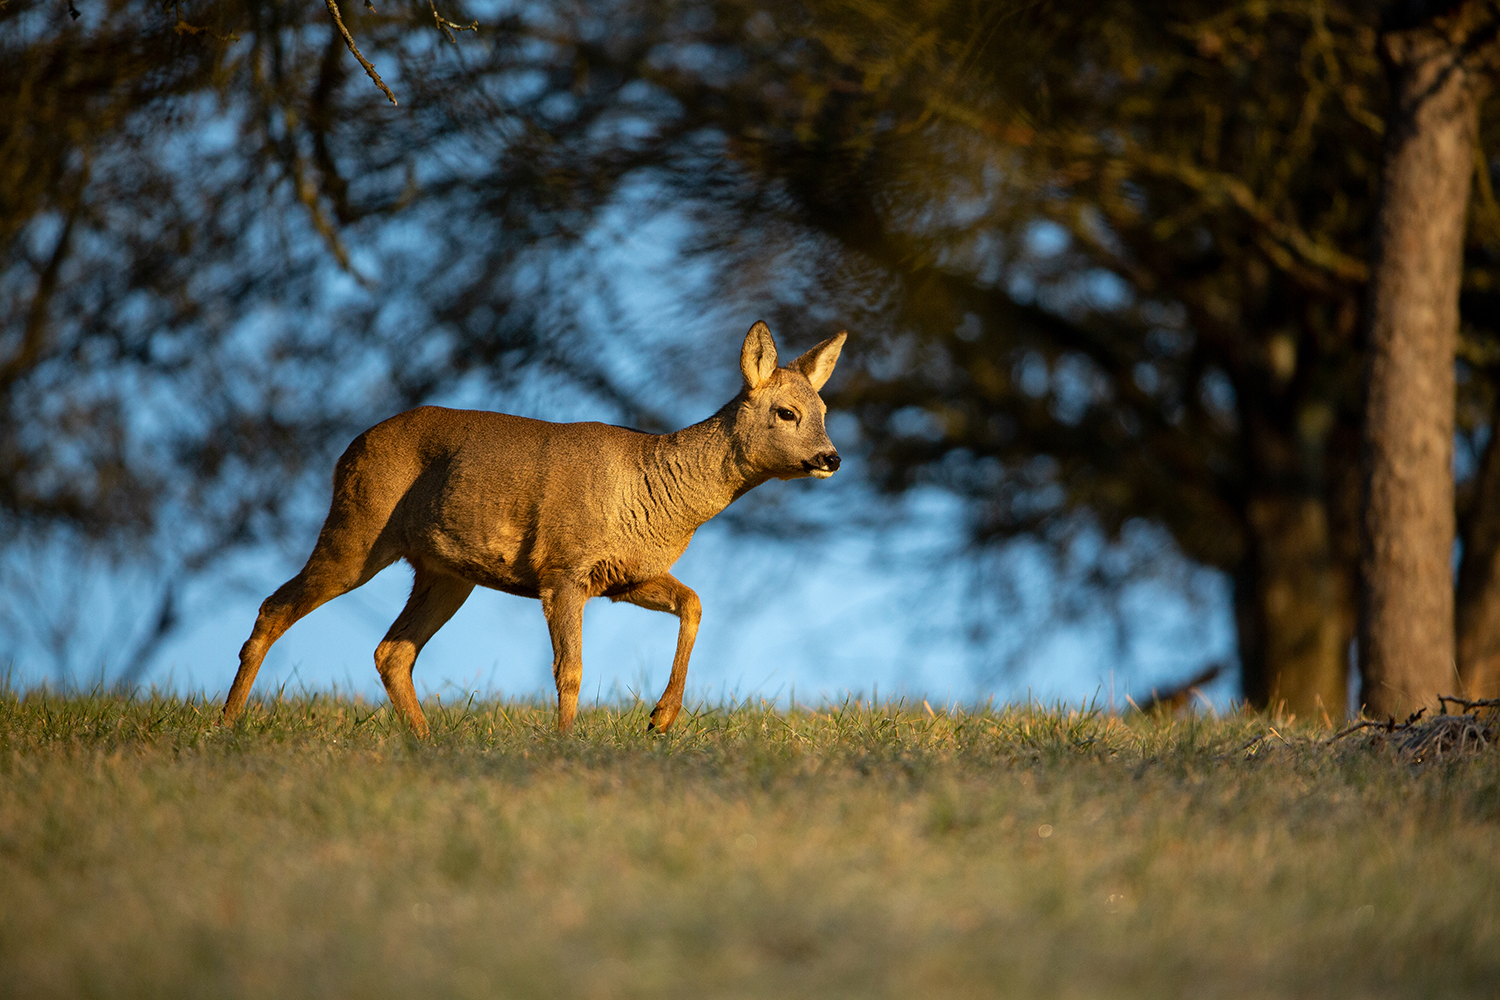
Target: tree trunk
1406	637
1478	604
1294	601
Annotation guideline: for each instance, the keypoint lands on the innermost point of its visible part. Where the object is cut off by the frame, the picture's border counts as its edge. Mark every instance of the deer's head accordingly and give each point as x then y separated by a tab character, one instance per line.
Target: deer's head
779	420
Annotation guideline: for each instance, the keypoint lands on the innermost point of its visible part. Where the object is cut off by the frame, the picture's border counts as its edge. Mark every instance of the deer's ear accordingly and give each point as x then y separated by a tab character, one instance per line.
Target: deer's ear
817	364
758	356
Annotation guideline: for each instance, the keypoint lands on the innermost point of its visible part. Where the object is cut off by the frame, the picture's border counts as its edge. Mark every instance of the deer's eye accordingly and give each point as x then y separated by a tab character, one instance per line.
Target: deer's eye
783	413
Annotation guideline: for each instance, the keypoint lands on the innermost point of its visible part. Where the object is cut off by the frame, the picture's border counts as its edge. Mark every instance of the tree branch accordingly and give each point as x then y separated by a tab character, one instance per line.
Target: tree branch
333	10
446	26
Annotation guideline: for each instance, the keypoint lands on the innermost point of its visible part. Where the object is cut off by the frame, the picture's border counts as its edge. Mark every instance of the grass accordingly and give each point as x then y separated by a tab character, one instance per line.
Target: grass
314	850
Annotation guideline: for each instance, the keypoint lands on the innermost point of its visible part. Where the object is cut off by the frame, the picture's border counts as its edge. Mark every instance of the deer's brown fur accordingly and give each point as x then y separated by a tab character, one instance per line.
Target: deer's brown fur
559	512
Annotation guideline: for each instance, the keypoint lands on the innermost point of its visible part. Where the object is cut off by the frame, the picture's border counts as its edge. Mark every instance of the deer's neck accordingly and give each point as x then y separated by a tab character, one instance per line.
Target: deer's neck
694	473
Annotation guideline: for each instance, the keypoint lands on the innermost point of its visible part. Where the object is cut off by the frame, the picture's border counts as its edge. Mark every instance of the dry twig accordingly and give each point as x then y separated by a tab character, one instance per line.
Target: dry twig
1466	704
447	27
1356	727
1390	725
1443	734
1418	740
338	19
1251	747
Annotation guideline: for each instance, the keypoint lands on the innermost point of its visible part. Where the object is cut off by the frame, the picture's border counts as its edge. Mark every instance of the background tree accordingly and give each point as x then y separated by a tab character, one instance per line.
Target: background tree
1119	274
1108	265
1180	345
224	253
1443	57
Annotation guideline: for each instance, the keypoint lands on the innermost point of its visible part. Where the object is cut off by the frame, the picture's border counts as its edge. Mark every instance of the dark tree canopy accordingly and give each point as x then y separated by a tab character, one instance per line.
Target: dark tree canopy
1107	263
1118	254
224	253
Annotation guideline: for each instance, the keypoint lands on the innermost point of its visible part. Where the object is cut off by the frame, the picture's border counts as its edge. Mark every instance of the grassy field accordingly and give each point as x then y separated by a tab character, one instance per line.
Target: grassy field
316	851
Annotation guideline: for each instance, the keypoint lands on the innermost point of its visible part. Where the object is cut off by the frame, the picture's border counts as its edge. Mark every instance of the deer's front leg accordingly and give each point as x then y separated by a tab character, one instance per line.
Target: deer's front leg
563	606
667	593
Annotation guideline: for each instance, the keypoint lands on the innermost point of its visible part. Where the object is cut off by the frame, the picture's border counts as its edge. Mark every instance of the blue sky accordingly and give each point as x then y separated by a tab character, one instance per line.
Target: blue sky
868	611
885	607
817	621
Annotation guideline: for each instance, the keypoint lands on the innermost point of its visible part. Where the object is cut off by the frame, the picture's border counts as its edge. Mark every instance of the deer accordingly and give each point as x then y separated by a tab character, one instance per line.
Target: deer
560	512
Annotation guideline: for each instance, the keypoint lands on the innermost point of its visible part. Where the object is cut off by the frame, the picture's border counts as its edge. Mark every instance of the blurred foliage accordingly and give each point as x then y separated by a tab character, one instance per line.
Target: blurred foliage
1104	262
224	254
183	187
1116	255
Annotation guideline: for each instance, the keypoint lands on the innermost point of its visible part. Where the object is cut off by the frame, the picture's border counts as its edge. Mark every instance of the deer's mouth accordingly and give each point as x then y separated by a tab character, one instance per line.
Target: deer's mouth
821	467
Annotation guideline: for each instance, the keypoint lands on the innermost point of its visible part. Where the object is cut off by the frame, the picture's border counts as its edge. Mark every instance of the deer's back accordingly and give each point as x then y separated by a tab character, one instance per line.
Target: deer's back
497	499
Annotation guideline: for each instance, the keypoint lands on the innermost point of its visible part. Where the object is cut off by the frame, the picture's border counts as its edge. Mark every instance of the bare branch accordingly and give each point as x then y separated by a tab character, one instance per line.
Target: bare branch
1466	704
446	26
1356	727
35	335
338	19
183	28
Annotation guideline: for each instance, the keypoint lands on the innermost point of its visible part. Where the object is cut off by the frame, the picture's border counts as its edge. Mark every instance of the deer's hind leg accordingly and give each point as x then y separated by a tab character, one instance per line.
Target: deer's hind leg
667	593
349	551
434	599
331	570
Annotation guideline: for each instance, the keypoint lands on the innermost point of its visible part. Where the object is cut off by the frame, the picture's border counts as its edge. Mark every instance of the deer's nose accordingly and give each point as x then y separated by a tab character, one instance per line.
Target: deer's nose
830	461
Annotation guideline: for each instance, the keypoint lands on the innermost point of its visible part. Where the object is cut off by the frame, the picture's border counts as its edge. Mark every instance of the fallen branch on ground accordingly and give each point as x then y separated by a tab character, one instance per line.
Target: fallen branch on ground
1418	740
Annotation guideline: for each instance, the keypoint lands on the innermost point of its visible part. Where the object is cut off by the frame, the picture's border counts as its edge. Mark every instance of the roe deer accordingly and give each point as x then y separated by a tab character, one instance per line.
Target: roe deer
560	512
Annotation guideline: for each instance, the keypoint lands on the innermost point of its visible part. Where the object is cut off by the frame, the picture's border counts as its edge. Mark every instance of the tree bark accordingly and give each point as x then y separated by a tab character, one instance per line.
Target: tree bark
1294	604
1478	600
1406	627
